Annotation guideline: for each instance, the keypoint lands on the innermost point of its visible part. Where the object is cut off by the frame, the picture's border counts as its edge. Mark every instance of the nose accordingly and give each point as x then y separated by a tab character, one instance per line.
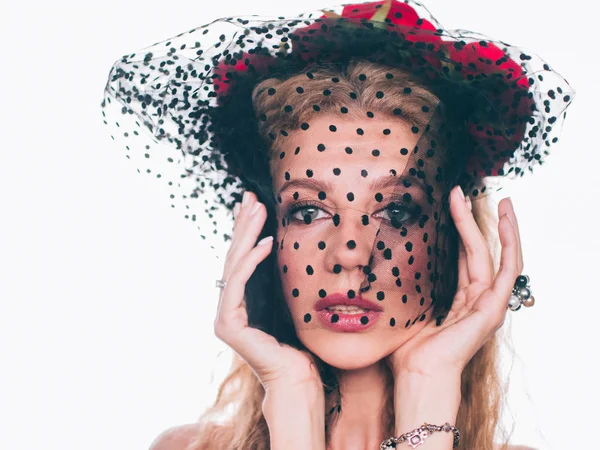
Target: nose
351	241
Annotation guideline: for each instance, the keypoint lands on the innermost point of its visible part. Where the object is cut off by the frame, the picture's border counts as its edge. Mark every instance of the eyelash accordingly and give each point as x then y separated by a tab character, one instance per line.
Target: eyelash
293	209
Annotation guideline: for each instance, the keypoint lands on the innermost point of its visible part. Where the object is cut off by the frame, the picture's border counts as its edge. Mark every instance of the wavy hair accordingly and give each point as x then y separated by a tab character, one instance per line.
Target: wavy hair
235	420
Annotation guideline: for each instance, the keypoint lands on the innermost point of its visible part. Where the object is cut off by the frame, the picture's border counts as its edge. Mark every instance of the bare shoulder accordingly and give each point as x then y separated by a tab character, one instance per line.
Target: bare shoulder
175	438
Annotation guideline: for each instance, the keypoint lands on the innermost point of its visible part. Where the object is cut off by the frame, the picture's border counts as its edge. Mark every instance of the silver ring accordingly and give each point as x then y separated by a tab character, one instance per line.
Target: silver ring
221	283
521	294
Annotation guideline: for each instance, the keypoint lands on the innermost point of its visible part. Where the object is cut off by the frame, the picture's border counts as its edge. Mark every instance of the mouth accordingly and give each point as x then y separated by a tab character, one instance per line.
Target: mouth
346	309
341	303
338	312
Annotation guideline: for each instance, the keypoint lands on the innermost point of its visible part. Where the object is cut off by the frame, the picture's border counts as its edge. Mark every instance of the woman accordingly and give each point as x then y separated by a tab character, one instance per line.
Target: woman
376	311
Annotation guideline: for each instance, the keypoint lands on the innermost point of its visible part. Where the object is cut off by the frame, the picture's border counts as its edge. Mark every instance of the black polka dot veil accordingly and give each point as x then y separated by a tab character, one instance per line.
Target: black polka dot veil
351	125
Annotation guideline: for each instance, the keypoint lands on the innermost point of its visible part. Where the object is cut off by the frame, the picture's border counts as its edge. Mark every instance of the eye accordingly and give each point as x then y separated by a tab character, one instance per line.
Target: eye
398	213
308	212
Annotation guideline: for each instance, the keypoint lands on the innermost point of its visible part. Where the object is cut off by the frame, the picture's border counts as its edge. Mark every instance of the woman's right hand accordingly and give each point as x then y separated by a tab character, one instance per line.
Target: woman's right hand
279	367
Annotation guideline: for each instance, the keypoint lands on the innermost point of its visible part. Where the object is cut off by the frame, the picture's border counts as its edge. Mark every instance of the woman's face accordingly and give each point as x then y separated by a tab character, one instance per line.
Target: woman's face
345	239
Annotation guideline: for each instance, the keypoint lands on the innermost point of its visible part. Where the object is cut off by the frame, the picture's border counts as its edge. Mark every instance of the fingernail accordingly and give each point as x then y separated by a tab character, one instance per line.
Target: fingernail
265	240
236	209
460	191
510	217
245	198
469	203
254	208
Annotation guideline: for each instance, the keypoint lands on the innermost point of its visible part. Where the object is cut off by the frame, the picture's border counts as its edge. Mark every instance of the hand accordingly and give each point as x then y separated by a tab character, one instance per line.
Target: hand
480	304
277	366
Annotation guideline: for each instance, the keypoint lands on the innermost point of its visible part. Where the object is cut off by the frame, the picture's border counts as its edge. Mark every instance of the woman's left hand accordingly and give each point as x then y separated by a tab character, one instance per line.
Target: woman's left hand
480	304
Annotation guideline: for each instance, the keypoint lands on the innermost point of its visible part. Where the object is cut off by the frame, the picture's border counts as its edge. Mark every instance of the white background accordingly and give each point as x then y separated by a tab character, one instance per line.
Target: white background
107	295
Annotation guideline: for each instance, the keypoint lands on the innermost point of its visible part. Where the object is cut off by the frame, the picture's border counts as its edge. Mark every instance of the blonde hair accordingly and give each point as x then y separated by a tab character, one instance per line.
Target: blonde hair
240	395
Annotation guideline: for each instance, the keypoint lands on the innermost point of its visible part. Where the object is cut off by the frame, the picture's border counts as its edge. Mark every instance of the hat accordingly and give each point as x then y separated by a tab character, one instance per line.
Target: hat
178	89
319	104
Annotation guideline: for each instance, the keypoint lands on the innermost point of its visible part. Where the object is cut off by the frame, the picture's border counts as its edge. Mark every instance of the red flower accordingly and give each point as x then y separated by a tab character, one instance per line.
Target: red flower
477	58
398	13
486	58
221	73
473	59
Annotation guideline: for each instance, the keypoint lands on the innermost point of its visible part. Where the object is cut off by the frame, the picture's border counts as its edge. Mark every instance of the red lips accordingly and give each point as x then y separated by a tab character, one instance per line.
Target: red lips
343	299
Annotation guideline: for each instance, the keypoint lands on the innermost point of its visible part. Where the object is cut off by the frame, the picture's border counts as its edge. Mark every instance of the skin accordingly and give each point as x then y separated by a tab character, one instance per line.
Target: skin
426	360
358	356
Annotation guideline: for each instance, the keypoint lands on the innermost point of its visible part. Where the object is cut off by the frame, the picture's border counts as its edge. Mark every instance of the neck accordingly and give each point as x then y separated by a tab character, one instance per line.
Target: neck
364	395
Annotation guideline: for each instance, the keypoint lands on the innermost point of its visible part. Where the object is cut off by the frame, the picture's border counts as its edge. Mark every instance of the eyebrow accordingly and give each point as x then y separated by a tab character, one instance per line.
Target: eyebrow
377	184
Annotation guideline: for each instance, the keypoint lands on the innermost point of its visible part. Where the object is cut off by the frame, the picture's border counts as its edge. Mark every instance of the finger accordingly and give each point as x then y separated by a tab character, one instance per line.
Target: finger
506	207
240	228
231	323
236	221
236	213
241	218
463	270
508	269
479	260
247	235
232	296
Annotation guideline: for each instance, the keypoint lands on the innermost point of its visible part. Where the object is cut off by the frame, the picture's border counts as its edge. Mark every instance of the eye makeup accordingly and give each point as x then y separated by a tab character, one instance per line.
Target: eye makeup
395	203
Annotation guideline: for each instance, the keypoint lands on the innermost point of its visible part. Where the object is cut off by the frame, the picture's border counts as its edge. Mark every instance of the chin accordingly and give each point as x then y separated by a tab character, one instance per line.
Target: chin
346	351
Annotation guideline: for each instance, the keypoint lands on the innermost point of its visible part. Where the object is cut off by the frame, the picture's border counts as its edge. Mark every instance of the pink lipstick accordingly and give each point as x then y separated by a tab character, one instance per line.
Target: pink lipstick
347	322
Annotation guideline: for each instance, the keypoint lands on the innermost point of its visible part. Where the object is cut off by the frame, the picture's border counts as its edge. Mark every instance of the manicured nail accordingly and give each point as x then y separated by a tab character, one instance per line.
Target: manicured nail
245	198
462	194
236	210
469	203
265	240
255	208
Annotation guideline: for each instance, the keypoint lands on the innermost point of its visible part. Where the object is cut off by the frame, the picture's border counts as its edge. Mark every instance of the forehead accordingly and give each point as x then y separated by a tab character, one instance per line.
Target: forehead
333	141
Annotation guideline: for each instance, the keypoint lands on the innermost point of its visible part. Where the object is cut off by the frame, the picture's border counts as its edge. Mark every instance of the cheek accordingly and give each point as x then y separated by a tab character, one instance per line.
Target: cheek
404	282
300	267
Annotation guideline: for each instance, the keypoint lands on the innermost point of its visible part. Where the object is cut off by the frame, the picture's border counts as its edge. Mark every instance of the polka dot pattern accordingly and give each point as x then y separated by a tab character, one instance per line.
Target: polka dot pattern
351	134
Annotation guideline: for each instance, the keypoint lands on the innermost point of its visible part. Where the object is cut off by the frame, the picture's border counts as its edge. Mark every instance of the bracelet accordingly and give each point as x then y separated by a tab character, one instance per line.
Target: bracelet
417	436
